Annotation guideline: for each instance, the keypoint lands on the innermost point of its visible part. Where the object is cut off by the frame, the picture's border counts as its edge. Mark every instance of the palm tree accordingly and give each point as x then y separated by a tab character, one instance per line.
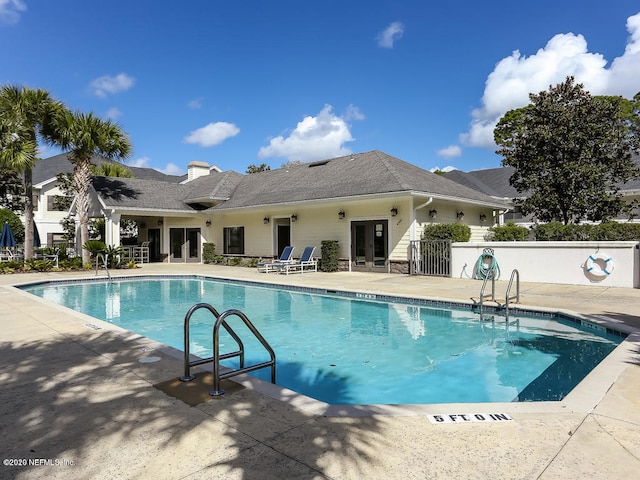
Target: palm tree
110	169
84	135
25	114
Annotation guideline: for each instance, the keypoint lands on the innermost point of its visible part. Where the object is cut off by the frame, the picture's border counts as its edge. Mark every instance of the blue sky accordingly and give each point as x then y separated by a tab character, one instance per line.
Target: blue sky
236	83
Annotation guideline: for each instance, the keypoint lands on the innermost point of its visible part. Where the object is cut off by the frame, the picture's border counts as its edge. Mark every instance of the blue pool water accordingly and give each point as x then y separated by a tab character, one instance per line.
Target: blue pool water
345	350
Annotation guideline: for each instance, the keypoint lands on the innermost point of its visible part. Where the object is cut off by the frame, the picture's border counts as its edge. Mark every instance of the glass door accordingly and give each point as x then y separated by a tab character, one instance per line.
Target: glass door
184	244
369	245
153	235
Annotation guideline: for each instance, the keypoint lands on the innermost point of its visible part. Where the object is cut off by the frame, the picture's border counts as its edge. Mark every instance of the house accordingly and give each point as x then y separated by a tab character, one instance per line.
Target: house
46	189
373	204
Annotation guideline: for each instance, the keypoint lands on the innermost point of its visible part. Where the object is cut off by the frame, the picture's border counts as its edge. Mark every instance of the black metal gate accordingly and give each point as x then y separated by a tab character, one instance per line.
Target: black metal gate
430	257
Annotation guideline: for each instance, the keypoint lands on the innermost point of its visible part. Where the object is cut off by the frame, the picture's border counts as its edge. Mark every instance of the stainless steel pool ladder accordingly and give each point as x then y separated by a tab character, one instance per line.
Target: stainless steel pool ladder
490	296
508	297
104	257
515	274
215	359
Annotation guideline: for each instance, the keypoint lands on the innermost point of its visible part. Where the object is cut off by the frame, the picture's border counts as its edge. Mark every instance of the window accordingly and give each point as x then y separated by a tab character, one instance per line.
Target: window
234	240
58	203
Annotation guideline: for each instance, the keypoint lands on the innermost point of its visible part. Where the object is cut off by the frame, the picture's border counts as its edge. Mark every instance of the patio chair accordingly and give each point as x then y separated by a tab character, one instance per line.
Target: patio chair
285	258
306	262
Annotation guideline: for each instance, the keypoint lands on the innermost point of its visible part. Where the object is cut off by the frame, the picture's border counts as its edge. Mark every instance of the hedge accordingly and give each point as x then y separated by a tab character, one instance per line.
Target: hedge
330	256
607	231
456	232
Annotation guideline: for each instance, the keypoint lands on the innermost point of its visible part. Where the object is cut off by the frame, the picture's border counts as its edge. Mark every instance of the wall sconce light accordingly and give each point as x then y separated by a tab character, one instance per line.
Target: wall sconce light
266	220
483	217
394	211
460	215
208	223
341	214
160	222
294	217
433	213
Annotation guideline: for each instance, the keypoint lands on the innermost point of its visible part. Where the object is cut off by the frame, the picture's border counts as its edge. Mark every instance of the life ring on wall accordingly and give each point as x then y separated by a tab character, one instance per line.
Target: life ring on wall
594	268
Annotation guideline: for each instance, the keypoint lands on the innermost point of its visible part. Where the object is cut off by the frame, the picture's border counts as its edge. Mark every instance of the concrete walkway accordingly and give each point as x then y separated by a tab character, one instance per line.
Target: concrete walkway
76	392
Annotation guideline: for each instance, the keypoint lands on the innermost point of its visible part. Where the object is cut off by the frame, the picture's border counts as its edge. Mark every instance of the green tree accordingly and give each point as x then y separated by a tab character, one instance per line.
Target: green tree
571	152
85	135
25	115
258	168
14	222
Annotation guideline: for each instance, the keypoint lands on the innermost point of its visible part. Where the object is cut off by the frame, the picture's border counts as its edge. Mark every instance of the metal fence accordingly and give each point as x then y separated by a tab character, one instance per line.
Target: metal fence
430	257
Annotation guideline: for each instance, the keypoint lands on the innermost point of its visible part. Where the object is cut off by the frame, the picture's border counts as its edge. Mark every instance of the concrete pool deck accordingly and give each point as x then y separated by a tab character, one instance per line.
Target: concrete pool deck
78	393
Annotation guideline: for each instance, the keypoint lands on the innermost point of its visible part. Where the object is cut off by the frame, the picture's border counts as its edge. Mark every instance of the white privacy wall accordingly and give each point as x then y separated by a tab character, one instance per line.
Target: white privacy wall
553	262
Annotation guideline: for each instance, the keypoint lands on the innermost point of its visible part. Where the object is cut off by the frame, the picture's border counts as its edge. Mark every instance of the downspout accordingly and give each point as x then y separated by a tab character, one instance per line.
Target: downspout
501	214
413	221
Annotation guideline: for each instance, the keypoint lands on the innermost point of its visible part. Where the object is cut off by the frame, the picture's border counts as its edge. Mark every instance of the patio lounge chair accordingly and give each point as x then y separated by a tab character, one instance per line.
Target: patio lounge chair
285	258
306	262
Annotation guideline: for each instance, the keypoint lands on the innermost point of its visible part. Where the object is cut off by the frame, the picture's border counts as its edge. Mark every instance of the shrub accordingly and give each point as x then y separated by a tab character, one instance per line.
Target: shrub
209	253
38	265
70	263
329	256
235	261
611	231
456	232
509	233
94	247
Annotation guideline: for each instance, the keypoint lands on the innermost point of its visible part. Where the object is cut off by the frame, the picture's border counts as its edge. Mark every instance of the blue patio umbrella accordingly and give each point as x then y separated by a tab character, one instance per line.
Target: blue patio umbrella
7	239
36	236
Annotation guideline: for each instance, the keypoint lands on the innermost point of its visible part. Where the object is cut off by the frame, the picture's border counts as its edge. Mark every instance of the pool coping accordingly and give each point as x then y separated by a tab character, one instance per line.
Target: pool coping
582	399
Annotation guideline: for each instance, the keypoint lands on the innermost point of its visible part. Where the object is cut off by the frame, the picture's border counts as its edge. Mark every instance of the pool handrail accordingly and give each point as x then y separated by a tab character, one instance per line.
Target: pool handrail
217	356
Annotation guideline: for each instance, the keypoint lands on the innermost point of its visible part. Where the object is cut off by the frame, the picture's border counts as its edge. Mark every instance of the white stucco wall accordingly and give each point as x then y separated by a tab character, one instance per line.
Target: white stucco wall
553	262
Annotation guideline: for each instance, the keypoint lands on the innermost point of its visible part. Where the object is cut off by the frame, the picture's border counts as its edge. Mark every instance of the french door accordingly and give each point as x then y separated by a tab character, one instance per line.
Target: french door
369	245
184	244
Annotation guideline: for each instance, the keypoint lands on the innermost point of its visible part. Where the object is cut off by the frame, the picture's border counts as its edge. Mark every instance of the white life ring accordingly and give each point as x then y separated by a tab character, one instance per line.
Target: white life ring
594	268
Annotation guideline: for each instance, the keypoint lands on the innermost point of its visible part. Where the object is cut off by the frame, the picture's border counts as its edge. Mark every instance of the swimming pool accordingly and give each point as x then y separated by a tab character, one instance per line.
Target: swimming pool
358	349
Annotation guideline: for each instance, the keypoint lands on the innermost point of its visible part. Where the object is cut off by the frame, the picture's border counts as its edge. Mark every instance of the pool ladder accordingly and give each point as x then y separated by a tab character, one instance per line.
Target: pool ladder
104	258
221	321
515	275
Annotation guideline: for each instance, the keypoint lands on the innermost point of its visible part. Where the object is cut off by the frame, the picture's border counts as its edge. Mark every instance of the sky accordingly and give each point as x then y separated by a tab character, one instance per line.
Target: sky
236	83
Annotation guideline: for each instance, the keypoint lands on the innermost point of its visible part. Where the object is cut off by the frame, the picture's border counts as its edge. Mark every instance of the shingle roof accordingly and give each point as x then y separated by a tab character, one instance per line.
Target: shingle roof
48	168
492	181
495	181
141	193
215	186
367	173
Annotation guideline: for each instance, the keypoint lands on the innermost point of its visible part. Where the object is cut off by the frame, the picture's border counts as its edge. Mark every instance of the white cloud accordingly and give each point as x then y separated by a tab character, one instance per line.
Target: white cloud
113	113
172	169
105	85
145	162
452	151
142	162
10	11
444	169
390	35
212	134
195	104
314	138
353	113
514	77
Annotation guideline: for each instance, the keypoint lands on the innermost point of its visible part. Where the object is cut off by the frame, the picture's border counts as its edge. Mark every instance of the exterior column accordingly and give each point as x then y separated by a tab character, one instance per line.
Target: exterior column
112	229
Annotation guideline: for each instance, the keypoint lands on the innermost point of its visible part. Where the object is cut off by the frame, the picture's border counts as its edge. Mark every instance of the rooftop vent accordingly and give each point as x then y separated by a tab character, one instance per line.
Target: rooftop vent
317	164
